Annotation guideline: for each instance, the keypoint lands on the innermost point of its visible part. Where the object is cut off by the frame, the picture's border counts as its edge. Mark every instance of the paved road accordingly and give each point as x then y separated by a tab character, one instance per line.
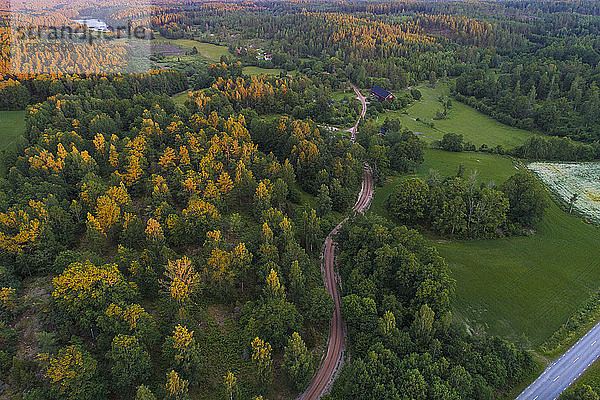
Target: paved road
330	365
337	335
564	371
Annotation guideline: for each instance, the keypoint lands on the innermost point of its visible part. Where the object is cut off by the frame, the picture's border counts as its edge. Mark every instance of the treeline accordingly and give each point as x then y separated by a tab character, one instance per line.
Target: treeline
18	92
401	336
558	149
556	97
464	208
535	148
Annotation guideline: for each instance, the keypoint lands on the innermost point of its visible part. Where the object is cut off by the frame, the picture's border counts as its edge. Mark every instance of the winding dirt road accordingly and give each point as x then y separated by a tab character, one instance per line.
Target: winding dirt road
363	101
337	334
332	362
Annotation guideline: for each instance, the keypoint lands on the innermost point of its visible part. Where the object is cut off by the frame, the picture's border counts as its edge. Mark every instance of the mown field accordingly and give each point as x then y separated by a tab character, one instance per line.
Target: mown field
210	51
180	98
11	127
520	287
476	127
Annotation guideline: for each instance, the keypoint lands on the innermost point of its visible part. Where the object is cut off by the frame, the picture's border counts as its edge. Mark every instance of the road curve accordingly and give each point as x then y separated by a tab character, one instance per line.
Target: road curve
333	360
564	371
337	334
363	101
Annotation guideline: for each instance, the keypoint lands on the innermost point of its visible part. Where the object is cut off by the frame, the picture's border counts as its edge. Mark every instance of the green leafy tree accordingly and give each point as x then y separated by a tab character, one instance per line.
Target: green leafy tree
297	362
144	393
452	142
131	363
527	198
409	201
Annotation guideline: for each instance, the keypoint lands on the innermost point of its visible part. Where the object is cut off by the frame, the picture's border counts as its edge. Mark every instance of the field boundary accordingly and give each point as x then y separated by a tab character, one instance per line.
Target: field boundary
584	319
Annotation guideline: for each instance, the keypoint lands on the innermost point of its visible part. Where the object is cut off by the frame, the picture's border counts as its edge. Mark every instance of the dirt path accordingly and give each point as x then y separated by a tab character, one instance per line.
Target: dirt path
363	101
334	358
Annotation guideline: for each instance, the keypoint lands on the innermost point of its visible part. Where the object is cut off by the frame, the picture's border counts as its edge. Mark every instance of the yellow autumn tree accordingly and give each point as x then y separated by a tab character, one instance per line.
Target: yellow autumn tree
229	382
274	287
167	160
180	278
177	388
154	232
8	299
84	287
99	143
184	156
218	266
267	233
70	371
224	183
261	357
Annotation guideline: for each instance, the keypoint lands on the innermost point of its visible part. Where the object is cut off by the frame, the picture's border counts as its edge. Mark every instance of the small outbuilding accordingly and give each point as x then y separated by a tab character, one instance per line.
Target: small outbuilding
381	94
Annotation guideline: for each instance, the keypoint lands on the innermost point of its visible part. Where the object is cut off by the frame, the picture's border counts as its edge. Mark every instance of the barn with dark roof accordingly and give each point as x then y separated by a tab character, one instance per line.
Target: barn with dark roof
381	94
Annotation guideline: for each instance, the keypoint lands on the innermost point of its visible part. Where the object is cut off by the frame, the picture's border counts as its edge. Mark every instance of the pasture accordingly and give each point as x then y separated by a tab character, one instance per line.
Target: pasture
524	287
209	51
475	127
12	125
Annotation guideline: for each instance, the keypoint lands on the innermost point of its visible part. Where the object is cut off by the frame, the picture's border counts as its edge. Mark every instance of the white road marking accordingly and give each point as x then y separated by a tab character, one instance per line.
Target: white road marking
593	343
556	378
575	360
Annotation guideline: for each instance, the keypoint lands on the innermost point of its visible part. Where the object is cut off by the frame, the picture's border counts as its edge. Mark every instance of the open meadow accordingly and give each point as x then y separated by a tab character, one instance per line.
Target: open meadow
516	287
175	48
475	126
12	124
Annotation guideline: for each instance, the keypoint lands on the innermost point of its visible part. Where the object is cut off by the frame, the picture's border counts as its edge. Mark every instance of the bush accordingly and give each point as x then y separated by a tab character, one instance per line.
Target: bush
452	142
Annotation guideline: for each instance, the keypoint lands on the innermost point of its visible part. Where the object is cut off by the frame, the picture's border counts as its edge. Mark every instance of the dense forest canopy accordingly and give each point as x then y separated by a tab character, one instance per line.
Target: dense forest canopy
164	229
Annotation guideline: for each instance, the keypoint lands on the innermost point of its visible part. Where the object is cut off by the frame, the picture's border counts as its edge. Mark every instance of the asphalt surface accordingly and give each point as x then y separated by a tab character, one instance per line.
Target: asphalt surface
333	360
564	371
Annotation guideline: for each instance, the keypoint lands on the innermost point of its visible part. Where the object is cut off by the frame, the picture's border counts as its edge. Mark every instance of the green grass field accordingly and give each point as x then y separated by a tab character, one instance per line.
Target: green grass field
180	98
255	71
207	50
212	51
12	124
518	286
475	127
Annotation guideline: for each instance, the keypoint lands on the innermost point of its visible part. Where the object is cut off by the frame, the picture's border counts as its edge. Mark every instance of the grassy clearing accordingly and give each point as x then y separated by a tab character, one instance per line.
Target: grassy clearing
12	125
475	127
180	98
520	286
212	51
255	71
207	50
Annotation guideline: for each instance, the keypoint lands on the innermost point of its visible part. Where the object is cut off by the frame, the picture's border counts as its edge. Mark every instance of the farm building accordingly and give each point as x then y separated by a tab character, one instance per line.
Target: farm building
381	94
